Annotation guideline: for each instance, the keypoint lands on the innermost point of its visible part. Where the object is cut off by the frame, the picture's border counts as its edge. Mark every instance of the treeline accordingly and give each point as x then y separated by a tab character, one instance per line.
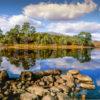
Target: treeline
27	34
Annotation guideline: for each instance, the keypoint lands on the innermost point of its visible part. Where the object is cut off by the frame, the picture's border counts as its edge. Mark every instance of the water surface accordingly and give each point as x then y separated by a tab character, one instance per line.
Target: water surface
86	60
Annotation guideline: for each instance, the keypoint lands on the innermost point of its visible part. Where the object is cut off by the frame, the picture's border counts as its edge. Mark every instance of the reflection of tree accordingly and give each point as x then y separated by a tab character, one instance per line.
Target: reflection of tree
26	58
0	60
84	55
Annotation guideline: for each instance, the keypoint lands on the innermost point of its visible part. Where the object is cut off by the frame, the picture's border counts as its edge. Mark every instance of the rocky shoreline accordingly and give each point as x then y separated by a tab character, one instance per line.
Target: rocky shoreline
45	85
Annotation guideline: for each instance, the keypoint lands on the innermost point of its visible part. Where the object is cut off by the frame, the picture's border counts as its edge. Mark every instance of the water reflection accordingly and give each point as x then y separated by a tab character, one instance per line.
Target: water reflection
27	58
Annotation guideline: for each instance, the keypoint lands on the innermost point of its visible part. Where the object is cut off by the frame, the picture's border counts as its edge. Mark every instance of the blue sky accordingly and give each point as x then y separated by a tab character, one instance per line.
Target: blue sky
68	17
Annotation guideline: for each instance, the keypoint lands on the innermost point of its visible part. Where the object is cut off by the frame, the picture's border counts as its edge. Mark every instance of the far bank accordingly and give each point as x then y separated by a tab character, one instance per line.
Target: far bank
32	46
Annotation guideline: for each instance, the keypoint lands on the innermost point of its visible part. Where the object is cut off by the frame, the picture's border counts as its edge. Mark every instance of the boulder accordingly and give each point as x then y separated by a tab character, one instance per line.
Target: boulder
48	78
62	96
28	96
48	97
70	80
37	90
64	88
55	89
73	72
87	86
1	96
3	75
83	78
61	81
48	72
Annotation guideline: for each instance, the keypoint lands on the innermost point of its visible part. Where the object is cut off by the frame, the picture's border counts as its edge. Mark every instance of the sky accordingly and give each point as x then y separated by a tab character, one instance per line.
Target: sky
67	17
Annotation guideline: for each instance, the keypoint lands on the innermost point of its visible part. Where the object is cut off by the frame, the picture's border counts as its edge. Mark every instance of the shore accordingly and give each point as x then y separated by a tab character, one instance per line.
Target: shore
32	46
45	85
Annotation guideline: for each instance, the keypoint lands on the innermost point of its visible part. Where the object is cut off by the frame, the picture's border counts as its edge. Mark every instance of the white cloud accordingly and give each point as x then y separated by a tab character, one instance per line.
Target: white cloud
18	19
72	28
65	27
6	23
96	36
59	11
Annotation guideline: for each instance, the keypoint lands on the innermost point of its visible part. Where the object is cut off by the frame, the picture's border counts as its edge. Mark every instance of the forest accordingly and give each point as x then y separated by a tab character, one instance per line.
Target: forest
27	34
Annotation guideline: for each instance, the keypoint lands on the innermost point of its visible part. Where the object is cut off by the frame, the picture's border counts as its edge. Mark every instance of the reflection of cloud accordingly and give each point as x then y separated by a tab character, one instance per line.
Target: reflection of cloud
36	67
68	62
6	65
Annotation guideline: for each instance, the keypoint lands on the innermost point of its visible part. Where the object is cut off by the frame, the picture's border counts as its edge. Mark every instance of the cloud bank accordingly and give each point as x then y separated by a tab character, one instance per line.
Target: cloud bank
59	11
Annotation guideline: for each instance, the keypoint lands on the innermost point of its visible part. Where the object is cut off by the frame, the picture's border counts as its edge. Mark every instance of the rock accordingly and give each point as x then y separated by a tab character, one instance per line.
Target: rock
70	81
83	78
1	96
56	84
53	94
26	75
48	97
87	86
19	86
6	92
61	96
3	75
48	72
60	81
13	86
42	83
64	77
77	89
51	84
73	72
54	89
28	96
37	90
70	77
50	78
64	88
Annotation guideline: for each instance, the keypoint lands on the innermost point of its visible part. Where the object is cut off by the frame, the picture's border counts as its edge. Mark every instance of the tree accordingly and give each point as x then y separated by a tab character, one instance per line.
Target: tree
25	28
1	33
32	29
85	38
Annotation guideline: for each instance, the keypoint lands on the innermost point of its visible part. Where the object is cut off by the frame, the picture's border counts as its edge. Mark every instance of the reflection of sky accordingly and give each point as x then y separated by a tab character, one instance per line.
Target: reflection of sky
91	68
